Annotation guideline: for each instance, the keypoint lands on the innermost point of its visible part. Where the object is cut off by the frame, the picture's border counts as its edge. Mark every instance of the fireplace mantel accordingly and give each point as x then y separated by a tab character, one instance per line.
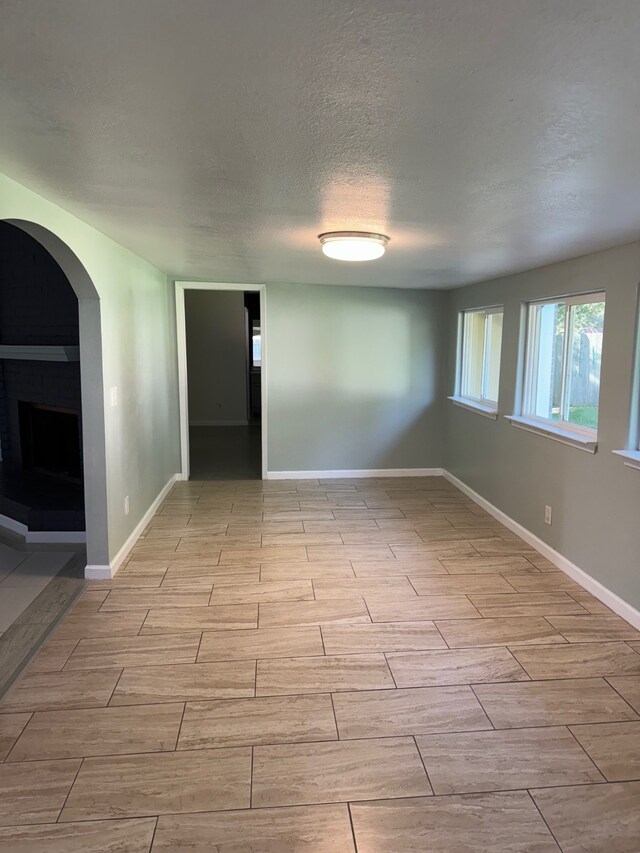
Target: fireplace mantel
25	352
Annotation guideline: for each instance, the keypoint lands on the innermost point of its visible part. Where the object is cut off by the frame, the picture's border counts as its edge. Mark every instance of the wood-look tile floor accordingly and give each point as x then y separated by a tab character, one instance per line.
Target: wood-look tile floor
327	667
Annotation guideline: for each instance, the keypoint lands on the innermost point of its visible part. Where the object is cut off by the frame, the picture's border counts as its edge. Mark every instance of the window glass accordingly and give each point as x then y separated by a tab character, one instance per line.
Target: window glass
256	349
548	322
492	359
564	353
585	356
480	358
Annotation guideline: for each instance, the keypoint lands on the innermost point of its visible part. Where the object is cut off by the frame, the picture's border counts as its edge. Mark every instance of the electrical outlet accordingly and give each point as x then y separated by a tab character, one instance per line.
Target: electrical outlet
114	395
547	515
126	505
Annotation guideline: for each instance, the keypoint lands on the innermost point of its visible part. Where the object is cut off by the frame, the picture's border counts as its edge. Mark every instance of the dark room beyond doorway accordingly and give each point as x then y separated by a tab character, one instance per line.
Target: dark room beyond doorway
224	362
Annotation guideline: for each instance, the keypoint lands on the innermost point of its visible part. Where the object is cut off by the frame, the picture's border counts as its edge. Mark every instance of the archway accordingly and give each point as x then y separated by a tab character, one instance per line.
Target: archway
92	398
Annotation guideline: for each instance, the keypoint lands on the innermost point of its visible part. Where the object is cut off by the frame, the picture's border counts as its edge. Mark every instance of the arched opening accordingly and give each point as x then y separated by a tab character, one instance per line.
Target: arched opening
51	397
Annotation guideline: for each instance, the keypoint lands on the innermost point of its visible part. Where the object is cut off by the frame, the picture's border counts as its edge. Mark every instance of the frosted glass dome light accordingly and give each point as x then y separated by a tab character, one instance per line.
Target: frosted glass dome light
353	245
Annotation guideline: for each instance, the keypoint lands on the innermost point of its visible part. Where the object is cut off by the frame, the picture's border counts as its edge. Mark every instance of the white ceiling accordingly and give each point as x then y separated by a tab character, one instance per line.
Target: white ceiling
217	138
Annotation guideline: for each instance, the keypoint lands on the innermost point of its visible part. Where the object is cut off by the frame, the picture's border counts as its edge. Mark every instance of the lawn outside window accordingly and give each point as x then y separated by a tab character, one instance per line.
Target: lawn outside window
562	367
480	344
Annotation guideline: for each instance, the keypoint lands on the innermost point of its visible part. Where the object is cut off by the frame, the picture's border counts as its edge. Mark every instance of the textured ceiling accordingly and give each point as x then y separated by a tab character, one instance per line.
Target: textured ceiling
217	138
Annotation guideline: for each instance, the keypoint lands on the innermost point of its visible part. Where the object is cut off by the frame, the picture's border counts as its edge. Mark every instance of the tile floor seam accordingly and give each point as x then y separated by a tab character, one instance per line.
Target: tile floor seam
75	778
570	728
364	601
115	687
353	830
485	710
5	760
179	732
412	584
153	834
419	751
441	563
92	820
480	614
542	817
335	716
395	683
150	665
447	646
324	650
365	738
607	678
53	637
99	610
223	811
345	740
542	787
96	708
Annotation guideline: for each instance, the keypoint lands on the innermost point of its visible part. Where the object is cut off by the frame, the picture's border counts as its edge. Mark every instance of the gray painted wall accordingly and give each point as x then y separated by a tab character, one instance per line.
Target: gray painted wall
216	356
140	358
354	377
595	499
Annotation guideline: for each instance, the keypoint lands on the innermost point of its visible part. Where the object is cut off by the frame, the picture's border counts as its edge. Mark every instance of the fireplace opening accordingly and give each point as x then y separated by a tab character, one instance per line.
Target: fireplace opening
50	440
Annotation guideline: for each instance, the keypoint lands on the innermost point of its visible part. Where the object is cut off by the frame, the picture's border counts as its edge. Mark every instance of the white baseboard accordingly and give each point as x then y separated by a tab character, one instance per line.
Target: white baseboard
354	474
98	573
105	572
43	537
606	596
244	422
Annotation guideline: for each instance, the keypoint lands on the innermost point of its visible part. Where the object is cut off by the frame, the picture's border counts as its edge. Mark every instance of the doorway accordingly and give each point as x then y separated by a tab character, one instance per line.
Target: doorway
42	482
41	467
222	367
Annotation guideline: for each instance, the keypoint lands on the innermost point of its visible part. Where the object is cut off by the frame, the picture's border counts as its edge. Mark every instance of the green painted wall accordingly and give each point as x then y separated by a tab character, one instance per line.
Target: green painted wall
595	499
354	377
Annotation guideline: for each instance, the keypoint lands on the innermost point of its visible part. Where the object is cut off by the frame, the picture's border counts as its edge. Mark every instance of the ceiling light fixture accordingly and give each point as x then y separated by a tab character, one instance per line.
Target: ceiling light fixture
353	245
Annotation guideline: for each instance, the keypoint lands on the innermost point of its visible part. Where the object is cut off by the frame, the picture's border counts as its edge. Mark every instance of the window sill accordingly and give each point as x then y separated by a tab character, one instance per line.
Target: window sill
631	457
573	439
472	406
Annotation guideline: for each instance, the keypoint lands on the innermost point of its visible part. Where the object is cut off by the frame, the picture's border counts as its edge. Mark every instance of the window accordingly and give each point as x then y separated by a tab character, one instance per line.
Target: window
563	357
256	347
631	453
479	371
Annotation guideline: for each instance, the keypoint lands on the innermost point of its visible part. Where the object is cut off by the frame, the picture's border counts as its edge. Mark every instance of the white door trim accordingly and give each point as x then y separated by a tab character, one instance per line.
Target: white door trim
181	335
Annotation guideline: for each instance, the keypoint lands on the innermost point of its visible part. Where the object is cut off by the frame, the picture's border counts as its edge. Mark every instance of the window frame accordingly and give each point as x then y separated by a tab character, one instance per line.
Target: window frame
482	404
631	454
531	349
